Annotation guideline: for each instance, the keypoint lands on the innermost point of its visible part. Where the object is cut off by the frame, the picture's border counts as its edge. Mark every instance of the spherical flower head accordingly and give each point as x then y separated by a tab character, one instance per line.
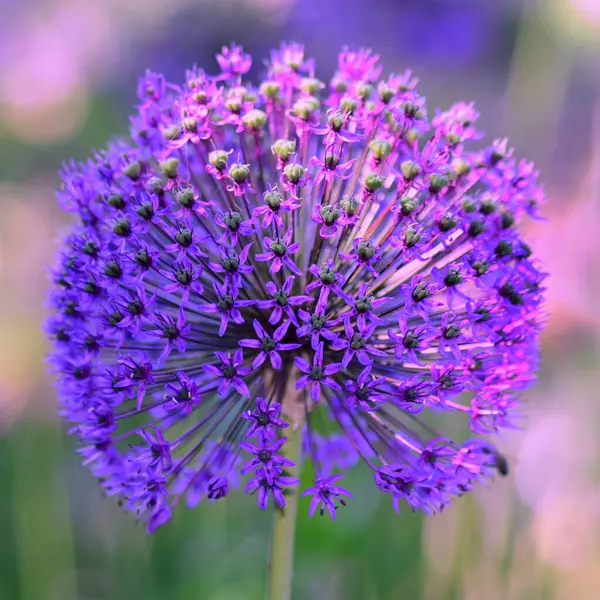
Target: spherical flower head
256	254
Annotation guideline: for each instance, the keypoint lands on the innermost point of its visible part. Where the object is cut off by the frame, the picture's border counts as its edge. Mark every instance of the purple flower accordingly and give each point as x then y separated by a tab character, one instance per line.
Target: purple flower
265	419
265	458
227	305
269	346
282	302
279	252
357	344
260	485
337	238
325	494
317	374
230	372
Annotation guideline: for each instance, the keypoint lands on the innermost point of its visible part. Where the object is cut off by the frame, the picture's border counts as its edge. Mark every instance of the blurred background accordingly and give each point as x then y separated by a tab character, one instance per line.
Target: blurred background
68	75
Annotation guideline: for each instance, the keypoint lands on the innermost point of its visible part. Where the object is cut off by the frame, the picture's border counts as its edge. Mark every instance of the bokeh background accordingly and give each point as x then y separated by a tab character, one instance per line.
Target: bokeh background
68	73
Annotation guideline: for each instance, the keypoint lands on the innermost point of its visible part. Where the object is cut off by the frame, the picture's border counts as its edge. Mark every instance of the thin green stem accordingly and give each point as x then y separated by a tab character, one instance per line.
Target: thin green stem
281	552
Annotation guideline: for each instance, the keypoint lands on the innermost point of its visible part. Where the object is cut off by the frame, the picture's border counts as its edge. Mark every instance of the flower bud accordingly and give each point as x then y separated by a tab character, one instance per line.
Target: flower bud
254	120
218	159
239	173
284	148
169	167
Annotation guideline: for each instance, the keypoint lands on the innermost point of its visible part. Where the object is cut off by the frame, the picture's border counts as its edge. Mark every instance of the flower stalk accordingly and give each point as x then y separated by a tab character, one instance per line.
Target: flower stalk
281	552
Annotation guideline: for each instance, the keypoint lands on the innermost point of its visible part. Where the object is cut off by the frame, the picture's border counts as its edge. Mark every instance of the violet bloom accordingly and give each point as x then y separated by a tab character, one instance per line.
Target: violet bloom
357	343
279	253
269	346
359	247
325	494
282	302
316	374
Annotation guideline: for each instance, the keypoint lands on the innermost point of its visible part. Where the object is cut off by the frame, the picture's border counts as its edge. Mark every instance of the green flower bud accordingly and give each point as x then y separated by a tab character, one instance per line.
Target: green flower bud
408	206
311	85
339	85
365	251
348	104
169	167
437	183
270	89
336	121
380	149
508	220
411	238
420	292
232	219
273	199
190	124
446	223
305	107
234	105
412	110
133	170
468	205
284	148
373	182
145	210
294	172
410	170
461	167
254	120
451	331
186	198
218	159
476	228
386	93
411	136
172	132
364	91
503	249
453	277
487	207
278	248
122	228
116	201
239	173
330	214
350	206
331	160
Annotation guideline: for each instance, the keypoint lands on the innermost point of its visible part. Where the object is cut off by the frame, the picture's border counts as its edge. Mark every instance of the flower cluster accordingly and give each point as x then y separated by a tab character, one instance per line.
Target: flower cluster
293	254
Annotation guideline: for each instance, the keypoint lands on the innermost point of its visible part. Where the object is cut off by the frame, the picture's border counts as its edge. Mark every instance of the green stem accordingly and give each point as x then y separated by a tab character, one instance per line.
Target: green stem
281	552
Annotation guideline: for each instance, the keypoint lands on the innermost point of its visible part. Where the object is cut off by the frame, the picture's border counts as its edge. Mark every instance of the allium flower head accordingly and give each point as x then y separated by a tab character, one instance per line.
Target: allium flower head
259	259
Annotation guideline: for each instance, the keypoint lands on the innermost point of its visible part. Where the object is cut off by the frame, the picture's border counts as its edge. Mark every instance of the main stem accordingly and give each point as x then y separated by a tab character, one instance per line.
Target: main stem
281	552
